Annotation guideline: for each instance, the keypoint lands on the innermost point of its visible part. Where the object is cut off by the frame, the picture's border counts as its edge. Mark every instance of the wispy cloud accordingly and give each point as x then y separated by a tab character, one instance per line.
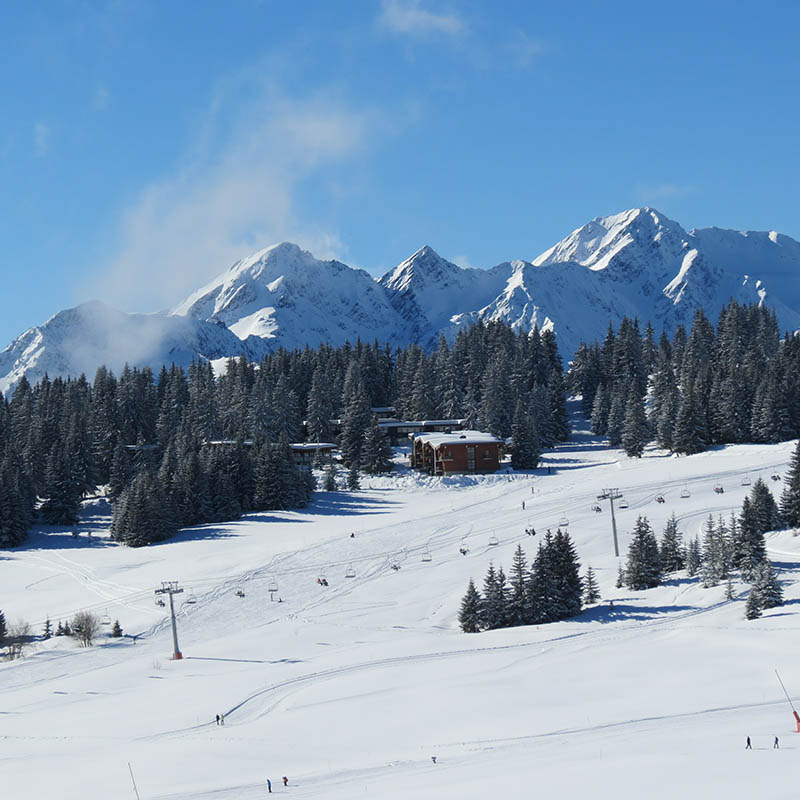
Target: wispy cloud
526	49
410	18
664	191
235	192
41	140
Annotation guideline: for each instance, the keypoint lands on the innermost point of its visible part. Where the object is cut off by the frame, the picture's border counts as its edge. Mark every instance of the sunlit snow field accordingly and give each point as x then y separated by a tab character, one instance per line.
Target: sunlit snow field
349	690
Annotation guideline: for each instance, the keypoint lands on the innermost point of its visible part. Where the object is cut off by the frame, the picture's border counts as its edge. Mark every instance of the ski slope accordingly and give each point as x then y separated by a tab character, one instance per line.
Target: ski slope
349	690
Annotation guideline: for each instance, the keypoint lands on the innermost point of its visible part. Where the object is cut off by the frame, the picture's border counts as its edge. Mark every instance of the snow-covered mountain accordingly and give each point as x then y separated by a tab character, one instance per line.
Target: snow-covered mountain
80	339
637	263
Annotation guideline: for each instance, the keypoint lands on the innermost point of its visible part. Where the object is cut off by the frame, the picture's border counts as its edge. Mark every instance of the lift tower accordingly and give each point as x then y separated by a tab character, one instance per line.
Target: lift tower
611	495
171	588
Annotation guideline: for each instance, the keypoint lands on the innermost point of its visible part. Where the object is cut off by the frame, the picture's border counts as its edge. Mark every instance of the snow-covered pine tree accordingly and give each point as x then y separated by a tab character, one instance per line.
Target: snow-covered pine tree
376	454
568	590
671	549
752	608
469	615
751	549
525	437
518	607
790	497
330	478
730	594
353	479
3	628
767	586
694	558
493	612
591	591
116	630
764	506
541	585
600	410
635	430
47	631
620	577
616	416
643	568
355	417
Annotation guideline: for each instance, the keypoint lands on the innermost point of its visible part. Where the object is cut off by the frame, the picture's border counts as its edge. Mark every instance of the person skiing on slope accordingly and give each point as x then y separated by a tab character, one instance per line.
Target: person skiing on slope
433	758
776	746
748	746
523	505
285	780
217	719
269	786
221	719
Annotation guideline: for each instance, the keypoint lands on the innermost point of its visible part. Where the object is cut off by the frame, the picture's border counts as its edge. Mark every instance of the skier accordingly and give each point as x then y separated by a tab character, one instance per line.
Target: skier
285	780
217	719
523	505
221	719
748	746
433	758
269	786
352	536
776	746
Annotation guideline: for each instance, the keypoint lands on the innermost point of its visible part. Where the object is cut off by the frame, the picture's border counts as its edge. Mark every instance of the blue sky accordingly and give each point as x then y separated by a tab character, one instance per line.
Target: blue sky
144	146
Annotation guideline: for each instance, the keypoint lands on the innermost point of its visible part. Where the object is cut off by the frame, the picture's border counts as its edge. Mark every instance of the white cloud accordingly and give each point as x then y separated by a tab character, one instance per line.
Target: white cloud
463	261
236	192
408	17
41	140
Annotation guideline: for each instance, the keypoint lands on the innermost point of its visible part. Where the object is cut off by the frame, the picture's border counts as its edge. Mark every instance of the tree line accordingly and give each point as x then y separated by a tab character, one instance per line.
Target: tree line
738	382
184	447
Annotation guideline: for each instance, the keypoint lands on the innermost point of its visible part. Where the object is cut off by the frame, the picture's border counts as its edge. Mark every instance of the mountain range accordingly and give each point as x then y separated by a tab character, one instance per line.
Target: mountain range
637	263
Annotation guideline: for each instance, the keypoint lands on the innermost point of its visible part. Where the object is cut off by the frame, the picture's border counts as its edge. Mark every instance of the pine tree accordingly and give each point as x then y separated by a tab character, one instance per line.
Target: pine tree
767	587
493	612
526	451
116	630
59	629
751	550
694	560
568	590
47	632
643	569
620	577
3	628
730	594
765	509
671	549
591	592
635	430
518	609
330	478
616	417
376	454
790	497
469	616
356	416
752	609
353	479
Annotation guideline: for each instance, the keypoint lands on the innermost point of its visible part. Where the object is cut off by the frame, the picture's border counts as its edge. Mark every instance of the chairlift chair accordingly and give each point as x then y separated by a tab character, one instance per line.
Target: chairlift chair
623	503
563	522
106	619
746	480
493	541
718	489
660	499
426	556
240	592
273	587
685	493
350	572
191	599
160	602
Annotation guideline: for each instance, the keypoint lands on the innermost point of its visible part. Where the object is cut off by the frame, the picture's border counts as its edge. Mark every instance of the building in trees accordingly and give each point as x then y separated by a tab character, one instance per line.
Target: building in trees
450	453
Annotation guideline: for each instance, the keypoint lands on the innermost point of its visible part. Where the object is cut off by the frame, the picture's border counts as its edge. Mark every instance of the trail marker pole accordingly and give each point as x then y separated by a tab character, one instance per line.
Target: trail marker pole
611	495
794	710
171	588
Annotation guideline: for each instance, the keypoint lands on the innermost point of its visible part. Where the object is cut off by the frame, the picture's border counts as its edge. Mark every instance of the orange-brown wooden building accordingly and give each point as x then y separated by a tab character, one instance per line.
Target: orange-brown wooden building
449	453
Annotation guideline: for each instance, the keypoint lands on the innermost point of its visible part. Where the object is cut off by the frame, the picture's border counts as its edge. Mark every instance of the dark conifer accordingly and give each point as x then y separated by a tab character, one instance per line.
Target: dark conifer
643	568
469	616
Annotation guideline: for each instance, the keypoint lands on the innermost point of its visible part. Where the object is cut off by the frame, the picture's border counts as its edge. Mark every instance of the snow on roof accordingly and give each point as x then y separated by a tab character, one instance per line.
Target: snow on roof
381	409
437	440
313	446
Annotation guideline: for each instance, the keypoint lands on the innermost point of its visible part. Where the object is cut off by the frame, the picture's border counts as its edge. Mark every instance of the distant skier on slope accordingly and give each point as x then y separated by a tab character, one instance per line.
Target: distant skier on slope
217	719
776	746
285	780
748	746
269	786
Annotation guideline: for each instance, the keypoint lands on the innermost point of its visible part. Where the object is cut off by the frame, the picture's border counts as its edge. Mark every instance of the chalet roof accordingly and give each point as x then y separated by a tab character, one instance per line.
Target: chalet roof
437	440
312	446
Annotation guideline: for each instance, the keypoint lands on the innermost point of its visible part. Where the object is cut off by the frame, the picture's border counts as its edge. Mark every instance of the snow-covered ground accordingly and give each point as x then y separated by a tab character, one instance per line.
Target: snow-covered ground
349	690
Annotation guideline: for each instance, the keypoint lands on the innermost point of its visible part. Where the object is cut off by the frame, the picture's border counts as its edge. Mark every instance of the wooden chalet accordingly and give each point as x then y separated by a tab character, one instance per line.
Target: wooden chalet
451	453
304	453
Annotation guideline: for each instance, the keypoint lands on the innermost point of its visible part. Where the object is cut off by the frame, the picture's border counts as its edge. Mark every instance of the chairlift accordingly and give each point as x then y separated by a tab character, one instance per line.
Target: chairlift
273	587
660	499
493	541
191	599
240	592
623	503
322	580
775	476
719	489
746	480
160	602
106	619
563	522
685	493
350	572
426	556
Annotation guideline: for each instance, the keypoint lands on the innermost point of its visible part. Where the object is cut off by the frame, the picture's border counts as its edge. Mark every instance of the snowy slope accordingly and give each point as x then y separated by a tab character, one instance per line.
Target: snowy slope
349	690
79	339
637	263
